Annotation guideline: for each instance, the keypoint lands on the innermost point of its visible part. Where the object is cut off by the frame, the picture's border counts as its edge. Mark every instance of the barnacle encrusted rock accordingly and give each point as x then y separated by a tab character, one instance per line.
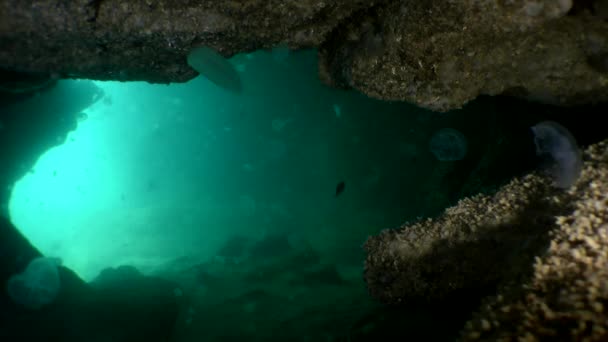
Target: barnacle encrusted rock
543	250
442	54
476	245
437	54
567	295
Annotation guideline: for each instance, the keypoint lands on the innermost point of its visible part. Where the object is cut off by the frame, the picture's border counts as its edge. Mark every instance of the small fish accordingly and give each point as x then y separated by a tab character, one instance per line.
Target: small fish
340	188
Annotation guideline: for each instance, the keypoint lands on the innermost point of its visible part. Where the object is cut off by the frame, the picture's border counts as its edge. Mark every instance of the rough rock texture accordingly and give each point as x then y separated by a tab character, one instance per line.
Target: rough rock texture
567	296
438	54
121	309
553	242
149	40
475	245
441	54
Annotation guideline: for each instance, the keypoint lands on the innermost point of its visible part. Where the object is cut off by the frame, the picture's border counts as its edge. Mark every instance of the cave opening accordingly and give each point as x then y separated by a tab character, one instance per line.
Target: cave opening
234	194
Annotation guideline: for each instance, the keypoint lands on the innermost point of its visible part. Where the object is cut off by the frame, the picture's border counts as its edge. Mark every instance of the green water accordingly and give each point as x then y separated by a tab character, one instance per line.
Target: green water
160	171
233	196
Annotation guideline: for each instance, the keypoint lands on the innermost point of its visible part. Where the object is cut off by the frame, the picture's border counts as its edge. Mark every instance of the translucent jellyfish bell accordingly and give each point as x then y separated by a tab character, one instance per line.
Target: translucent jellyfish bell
448	144
559	150
37	286
215	68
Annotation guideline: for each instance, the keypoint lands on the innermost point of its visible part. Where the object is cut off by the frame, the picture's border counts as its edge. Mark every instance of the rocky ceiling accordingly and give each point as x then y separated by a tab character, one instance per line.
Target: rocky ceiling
439	54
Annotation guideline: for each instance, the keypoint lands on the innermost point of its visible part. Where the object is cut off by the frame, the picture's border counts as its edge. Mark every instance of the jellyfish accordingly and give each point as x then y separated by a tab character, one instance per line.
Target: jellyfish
215	67
38	285
556	146
448	144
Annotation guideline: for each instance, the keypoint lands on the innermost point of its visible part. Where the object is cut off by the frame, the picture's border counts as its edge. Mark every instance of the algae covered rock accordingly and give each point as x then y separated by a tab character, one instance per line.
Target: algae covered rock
442	54
475	245
566	296
543	249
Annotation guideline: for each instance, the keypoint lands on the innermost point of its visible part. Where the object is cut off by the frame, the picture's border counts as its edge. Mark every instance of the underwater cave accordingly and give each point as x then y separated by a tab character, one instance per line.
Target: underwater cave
307	171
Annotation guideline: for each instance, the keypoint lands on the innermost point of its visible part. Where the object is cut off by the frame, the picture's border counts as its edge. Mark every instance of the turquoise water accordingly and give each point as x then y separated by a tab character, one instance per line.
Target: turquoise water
156	172
233	196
